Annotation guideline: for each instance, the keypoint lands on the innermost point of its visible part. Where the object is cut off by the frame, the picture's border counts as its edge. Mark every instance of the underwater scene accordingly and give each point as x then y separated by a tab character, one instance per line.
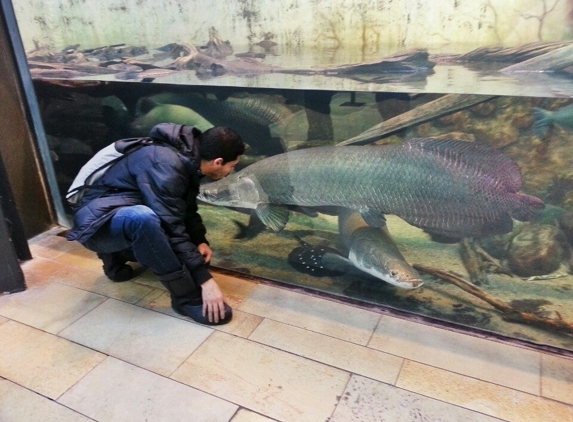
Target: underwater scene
453	207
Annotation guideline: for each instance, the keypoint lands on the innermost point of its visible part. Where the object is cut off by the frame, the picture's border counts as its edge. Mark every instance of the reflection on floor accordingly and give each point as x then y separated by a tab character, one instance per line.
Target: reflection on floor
77	347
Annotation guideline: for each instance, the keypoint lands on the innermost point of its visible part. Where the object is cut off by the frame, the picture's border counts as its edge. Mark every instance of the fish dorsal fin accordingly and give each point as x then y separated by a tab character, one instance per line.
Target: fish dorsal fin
273	216
373	218
483	161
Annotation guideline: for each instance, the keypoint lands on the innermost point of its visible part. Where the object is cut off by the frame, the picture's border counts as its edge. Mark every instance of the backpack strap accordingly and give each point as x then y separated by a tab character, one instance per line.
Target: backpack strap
74	196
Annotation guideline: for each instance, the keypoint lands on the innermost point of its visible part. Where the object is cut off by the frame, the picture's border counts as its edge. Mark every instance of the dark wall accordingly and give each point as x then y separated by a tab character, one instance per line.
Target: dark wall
17	147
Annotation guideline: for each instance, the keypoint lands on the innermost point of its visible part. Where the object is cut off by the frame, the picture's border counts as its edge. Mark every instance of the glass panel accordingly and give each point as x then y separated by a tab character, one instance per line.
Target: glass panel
493	78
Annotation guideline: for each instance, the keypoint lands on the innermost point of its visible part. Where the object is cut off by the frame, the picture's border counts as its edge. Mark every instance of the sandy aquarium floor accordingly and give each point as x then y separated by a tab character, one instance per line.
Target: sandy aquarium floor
266	256
75	346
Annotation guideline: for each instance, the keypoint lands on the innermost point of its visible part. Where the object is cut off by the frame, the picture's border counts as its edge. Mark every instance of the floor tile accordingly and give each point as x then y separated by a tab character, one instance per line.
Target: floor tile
481	396
42	362
487	360
116	391
235	289
244	415
97	282
241	325
268	381
37	270
82	258
139	336
3	320
315	314
18	404
51	246
147	278
557	378
367	400
51	307
331	351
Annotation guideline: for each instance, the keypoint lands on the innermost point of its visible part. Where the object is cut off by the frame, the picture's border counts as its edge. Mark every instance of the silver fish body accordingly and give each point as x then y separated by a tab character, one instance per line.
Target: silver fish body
447	187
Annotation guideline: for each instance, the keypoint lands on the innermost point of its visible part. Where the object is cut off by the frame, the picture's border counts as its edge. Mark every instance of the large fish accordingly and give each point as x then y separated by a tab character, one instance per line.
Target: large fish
252	117
168	113
446	187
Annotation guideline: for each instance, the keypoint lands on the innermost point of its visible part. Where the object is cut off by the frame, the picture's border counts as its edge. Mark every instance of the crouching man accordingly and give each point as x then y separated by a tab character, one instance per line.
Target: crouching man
144	208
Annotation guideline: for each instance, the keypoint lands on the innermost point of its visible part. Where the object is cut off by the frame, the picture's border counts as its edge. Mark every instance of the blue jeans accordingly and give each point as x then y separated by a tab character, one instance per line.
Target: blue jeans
137	229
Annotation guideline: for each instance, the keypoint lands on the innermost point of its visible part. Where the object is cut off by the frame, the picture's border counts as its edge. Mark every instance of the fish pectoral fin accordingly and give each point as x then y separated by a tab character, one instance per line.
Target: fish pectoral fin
273	216
373	218
336	262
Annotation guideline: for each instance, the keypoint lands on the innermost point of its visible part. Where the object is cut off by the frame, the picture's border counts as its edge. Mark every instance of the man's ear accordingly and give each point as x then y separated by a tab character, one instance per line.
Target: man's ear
218	161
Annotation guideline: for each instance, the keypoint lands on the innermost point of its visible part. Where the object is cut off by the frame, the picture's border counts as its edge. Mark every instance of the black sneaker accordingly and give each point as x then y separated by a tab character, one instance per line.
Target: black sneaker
115	267
194	310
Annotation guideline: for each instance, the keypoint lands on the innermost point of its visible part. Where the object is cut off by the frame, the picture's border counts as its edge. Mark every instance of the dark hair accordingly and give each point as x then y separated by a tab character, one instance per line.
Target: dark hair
221	142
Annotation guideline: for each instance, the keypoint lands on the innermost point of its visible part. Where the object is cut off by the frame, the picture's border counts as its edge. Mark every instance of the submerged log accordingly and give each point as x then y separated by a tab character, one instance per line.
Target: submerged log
555	60
511	54
509	313
440	107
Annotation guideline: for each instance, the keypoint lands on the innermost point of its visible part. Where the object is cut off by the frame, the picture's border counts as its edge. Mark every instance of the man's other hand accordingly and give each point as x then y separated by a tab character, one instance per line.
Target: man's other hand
206	251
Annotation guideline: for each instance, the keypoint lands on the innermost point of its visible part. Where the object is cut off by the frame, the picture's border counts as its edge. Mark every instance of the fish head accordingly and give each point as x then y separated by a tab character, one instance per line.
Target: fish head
396	272
236	190
403	276
373	251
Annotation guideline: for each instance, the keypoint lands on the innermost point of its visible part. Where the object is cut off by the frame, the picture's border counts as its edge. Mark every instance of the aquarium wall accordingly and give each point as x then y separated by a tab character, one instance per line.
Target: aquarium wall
368	26
428	146
416	46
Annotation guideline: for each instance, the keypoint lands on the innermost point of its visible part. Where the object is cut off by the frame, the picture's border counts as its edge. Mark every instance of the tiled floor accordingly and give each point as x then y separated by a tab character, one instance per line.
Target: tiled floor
77	347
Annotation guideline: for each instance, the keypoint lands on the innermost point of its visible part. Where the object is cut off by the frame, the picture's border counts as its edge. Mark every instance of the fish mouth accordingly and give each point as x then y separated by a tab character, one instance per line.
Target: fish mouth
409	284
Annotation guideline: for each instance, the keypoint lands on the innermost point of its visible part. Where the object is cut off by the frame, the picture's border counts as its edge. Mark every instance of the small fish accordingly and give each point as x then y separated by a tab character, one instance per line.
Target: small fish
545	118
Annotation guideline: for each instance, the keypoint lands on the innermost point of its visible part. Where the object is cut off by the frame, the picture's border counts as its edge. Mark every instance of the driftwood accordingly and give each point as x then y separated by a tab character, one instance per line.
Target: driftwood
511	54
138	63
555	60
440	107
189	57
509	313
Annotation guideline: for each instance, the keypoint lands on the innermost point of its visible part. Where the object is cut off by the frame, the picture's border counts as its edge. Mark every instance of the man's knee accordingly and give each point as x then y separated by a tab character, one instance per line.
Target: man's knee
141	216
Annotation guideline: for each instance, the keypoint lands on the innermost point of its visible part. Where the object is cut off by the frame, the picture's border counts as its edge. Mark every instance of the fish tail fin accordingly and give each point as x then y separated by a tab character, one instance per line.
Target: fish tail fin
542	121
525	207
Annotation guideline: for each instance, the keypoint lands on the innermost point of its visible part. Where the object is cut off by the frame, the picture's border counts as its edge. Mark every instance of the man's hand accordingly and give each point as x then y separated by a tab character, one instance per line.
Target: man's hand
206	251
213	305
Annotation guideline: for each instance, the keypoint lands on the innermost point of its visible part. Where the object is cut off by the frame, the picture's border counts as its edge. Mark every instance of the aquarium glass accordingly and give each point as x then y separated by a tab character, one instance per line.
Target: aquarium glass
464	109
